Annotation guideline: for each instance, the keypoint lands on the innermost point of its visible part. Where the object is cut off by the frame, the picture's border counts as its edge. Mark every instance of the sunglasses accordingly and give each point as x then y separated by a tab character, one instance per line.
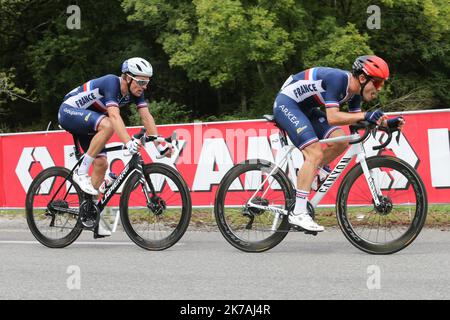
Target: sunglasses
140	82
377	82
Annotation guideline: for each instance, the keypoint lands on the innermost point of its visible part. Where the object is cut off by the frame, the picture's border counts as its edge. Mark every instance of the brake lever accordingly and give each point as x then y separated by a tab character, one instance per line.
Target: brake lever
174	138
162	154
373	132
173	141
360	125
388	140
140	135
398	136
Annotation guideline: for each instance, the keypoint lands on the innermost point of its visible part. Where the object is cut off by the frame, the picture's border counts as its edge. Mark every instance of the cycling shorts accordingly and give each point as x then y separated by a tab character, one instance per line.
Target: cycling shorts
82	123
303	126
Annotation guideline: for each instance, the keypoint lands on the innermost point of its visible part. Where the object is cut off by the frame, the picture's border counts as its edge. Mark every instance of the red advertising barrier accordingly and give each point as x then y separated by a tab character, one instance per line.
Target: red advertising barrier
209	150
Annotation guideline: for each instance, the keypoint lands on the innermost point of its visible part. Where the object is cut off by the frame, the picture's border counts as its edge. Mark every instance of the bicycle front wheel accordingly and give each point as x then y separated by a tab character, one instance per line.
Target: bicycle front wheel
248	228
159	223
397	221
52	207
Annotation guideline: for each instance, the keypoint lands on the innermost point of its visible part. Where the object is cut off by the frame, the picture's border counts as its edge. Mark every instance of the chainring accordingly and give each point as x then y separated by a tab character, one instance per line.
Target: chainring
89	214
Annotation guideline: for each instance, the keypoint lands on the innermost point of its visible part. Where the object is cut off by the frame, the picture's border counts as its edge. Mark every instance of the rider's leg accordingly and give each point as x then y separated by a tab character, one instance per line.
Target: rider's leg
298	126
92	132
325	131
100	164
313	155
98	142
333	150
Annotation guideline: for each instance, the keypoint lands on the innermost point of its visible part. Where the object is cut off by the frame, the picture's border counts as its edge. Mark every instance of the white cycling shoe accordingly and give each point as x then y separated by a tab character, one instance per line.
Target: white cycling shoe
84	181
102	231
304	221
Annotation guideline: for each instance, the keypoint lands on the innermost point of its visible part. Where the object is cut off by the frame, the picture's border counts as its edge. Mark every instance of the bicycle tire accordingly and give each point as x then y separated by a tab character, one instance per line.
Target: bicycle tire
417	222
40	178
219	205
175	236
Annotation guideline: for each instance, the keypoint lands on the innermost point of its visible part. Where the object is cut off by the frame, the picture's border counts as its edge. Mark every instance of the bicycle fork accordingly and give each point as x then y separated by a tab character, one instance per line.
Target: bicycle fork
143	181
374	187
154	203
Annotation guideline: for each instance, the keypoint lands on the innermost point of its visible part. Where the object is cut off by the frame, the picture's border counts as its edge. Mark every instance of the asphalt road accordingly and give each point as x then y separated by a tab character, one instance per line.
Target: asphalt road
204	266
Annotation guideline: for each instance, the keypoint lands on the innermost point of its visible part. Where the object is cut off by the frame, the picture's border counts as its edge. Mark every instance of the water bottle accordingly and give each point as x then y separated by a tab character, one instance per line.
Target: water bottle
109	180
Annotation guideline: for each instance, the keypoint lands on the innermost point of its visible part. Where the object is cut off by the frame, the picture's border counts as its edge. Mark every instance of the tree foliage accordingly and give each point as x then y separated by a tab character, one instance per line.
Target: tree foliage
215	59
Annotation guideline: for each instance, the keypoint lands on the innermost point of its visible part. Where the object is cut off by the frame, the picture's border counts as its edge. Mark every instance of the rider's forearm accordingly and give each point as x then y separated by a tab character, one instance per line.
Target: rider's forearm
148	122
344	118
119	127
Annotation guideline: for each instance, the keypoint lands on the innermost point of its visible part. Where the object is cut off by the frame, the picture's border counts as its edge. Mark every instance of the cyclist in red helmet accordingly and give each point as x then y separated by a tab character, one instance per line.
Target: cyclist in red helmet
375	70
297	110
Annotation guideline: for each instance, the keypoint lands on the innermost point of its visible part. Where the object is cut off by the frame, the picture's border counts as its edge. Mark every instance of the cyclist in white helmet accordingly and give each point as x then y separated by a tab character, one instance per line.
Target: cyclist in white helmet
92	113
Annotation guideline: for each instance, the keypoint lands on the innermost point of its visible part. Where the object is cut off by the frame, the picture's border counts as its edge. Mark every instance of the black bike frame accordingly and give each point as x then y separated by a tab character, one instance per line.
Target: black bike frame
135	164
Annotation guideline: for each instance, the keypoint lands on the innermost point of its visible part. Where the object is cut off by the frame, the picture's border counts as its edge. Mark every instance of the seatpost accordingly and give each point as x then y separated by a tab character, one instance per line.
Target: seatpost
76	147
283	137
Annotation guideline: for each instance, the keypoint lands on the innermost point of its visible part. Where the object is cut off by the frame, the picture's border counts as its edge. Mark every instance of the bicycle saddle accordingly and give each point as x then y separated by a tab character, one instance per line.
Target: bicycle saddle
269	117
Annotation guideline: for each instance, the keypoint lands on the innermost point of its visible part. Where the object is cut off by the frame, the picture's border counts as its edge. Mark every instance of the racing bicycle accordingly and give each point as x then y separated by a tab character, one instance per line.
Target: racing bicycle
381	204
155	204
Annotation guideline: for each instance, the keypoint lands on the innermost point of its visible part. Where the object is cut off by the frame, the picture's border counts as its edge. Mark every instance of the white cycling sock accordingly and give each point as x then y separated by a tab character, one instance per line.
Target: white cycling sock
85	164
301	201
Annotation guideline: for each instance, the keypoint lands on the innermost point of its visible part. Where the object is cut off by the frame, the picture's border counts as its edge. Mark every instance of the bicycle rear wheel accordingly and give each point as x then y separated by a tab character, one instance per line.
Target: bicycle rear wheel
251	229
395	224
160	224
52	207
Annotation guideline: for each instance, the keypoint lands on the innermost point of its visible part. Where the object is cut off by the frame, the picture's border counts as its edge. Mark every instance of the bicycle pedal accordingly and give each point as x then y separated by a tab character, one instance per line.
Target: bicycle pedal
300	229
97	236
88	228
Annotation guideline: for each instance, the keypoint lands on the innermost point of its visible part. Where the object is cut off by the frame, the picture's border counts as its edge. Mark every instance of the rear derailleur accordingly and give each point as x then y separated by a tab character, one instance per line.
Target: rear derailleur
251	212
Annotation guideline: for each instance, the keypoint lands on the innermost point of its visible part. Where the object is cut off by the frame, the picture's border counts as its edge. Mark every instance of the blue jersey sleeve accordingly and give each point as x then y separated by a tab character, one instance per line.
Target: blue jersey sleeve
354	104
110	89
140	102
335	83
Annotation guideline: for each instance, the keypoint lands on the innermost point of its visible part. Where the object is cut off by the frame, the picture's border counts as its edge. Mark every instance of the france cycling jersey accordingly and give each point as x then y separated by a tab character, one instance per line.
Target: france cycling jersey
317	87
296	107
101	93
86	106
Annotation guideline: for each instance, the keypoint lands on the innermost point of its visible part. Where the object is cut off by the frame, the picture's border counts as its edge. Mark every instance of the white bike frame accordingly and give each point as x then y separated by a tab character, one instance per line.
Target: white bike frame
355	150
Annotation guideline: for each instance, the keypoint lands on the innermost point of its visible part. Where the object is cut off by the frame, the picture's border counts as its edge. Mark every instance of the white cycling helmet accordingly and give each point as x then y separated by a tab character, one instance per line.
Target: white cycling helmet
137	67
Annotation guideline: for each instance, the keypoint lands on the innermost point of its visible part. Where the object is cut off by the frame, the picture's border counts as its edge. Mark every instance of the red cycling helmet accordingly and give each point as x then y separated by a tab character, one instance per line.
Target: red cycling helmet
372	66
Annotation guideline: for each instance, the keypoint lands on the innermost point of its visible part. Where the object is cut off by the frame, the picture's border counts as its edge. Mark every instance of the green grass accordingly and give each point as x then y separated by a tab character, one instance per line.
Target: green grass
438	216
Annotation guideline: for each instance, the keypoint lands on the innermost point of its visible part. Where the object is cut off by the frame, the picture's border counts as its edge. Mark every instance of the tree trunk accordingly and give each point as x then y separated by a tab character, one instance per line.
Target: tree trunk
261	74
243	101
219	101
